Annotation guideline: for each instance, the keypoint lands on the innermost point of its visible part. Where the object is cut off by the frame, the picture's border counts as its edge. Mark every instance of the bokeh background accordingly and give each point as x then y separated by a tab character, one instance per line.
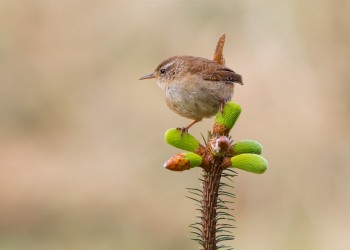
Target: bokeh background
81	139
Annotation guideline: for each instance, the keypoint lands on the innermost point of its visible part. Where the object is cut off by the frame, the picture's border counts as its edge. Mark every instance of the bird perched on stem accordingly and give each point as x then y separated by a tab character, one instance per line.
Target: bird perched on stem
196	87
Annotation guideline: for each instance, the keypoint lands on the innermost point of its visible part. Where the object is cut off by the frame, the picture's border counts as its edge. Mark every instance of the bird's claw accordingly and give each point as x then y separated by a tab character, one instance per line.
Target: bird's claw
183	130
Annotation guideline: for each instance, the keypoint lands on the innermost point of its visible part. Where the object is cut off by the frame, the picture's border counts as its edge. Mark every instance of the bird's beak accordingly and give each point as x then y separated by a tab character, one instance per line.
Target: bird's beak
149	76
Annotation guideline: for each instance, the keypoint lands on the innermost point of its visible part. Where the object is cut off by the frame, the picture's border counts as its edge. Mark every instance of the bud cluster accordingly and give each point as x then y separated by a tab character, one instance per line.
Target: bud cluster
244	154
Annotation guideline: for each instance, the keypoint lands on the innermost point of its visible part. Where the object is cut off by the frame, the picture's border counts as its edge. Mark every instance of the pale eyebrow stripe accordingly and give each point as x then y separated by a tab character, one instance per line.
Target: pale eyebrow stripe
168	65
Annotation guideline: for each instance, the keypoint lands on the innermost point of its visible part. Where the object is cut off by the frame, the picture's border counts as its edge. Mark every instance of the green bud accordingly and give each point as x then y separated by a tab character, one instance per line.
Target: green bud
195	160
250	162
247	146
183	161
226	118
183	141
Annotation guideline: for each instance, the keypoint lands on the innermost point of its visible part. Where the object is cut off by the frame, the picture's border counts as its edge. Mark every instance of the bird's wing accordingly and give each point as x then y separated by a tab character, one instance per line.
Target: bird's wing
222	74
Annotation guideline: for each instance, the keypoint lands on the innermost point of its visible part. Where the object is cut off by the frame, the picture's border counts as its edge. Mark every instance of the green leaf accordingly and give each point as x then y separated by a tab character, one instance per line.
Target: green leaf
246	146
226	119
183	141
250	162
229	115
195	160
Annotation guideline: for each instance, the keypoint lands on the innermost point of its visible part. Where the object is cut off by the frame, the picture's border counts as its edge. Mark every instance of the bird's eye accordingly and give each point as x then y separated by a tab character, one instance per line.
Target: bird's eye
162	71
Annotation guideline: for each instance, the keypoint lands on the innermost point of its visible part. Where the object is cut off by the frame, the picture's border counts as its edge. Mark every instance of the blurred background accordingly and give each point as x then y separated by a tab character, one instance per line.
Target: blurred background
81	139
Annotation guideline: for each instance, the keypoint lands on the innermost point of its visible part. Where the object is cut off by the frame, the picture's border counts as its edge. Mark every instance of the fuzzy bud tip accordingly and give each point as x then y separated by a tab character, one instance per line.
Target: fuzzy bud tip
220	145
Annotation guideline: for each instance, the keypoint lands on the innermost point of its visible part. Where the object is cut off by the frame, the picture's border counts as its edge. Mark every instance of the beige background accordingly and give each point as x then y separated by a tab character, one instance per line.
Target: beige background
81	139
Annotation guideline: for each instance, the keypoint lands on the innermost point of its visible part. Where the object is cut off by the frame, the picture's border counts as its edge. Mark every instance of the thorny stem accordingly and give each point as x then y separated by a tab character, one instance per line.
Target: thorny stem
211	183
212	176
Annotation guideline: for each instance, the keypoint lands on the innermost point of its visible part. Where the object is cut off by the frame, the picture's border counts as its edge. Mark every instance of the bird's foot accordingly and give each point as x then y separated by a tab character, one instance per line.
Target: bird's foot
185	129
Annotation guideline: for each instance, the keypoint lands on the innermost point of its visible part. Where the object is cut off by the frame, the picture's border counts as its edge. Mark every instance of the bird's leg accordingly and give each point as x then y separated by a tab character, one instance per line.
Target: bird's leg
221	106
185	129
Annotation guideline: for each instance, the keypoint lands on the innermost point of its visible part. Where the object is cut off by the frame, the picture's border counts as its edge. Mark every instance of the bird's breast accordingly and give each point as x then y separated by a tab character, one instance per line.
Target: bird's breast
197	100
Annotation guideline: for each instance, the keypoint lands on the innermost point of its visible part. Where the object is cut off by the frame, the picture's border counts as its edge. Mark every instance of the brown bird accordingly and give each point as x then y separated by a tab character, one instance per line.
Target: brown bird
196	87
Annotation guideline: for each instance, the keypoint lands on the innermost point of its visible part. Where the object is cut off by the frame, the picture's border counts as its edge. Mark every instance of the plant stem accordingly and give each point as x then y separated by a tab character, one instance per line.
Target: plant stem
211	185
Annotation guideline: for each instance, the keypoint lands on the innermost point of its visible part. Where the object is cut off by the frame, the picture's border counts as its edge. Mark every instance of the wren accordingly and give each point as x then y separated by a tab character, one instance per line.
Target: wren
196	87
